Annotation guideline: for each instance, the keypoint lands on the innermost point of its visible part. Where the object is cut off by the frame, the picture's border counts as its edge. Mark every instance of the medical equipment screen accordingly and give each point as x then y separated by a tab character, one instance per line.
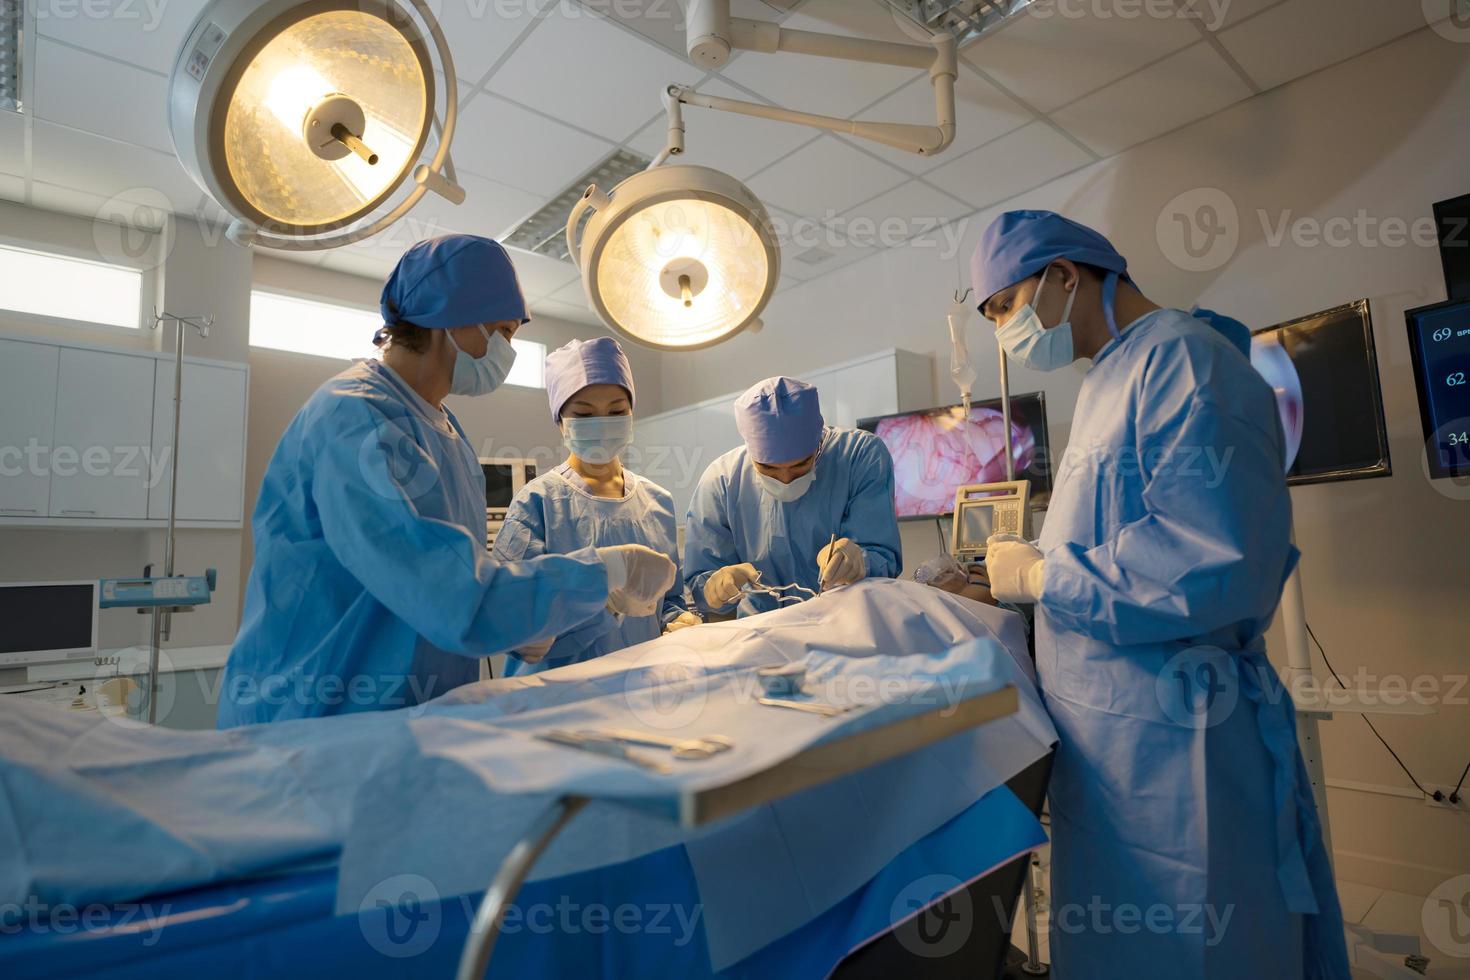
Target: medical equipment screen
45	618
937	451
1343	435
1439	341
1452	220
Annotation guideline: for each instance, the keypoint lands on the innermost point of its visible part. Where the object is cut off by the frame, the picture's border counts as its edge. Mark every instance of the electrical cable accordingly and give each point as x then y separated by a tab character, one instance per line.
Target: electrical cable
1438	795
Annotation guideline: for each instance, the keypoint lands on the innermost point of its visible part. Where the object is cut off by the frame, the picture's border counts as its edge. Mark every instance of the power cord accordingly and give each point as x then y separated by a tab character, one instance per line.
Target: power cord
1438	795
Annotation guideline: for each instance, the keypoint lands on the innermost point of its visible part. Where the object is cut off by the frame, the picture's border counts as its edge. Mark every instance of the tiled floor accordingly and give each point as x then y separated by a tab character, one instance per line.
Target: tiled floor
1376	908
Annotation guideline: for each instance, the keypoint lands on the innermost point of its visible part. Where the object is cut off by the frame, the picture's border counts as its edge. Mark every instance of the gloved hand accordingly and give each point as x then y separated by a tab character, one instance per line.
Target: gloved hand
1014	567
841	563
637	578
723	587
533	652
683	621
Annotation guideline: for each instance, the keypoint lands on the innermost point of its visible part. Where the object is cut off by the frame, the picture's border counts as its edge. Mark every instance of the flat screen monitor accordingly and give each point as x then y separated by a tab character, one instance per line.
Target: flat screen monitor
1452	220
504	478
1339	415
936	451
44	622
1439	342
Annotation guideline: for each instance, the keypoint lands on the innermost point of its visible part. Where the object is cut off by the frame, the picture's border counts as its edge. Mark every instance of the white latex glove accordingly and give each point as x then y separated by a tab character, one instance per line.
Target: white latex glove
533	652
637	578
683	621
723	587
841	563
1014	567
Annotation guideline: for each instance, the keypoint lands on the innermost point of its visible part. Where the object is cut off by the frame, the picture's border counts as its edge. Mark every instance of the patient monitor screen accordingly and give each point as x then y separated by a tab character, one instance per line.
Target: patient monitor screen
40	618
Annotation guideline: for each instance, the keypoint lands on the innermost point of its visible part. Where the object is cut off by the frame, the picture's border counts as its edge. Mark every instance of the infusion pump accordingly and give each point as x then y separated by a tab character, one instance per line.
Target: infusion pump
983	509
504	478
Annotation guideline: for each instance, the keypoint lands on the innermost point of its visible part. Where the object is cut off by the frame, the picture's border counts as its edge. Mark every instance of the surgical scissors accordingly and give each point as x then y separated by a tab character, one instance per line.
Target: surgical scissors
603	745
778	592
701	747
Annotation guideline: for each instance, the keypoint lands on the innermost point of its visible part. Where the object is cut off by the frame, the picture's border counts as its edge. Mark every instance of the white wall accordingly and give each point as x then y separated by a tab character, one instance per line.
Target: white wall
1386	561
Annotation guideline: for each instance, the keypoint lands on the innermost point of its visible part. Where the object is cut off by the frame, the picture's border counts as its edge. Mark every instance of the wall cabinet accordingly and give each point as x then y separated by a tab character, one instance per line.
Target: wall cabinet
675	447
85	435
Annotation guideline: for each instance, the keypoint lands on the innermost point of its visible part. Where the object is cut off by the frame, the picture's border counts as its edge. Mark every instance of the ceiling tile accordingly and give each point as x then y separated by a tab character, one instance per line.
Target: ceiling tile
147	33
1055	53
810	248
101	96
506	143
1178	90
490	209
12	188
738	145
69	158
1019	161
1301	36
893	218
982	112
12	143
541	276
480	31
572	293
828	86
574	312
824	178
583	69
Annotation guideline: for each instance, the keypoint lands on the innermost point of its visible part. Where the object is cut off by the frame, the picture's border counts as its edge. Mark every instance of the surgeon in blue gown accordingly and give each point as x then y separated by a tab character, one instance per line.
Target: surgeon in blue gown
592	499
801	503
372	587
1185	838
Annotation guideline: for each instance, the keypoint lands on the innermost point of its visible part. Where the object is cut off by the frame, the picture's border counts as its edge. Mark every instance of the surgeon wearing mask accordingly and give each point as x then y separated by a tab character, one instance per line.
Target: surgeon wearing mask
1178	784
592	500
372	587
801	503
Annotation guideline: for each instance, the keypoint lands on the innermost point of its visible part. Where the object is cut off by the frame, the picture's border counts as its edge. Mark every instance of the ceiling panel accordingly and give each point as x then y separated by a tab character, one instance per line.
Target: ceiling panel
541	276
1016	162
490	209
1055	53
892	218
86	91
12	144
514	146
824	178
1301	36
1178	90
738	145
147	33
575	312
982	112
1216	15
564	69
480	31
662	21
12	188
68	158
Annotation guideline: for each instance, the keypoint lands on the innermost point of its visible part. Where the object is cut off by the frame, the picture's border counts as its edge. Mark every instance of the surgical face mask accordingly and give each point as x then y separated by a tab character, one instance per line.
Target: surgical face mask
482	375
599	439
787	492
1030	343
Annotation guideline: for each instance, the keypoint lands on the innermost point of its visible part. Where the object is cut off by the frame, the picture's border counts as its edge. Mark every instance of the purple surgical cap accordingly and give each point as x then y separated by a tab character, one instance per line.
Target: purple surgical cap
780	420
1020	244
453	281
581	363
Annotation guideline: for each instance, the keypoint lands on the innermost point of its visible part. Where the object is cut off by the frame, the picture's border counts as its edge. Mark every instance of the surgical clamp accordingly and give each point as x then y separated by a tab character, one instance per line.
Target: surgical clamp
701	747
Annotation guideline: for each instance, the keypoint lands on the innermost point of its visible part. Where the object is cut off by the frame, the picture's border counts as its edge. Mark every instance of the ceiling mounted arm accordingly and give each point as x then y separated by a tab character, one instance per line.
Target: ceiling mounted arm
713	34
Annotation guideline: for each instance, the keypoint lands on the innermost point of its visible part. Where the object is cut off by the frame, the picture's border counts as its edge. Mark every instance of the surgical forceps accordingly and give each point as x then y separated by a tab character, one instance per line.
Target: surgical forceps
778	592
701	747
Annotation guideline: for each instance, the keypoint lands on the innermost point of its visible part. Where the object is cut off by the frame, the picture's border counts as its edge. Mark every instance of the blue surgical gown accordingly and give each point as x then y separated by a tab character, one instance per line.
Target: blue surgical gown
732	520
557	514
1178	786
372	587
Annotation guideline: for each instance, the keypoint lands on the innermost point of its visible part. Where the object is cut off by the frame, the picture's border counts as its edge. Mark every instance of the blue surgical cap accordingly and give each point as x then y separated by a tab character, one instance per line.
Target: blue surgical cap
581	363
1020	244
453	281
780	420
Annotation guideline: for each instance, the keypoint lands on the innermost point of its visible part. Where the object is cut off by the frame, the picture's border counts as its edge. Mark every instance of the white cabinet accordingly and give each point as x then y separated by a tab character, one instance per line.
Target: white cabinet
211	441
103	431
27	418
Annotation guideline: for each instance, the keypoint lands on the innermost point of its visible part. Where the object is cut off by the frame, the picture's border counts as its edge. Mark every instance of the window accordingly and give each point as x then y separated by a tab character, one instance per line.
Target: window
66	288
306	326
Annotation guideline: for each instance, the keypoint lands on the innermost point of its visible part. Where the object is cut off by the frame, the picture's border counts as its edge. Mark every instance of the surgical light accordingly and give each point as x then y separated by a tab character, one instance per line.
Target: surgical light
676	257
302	120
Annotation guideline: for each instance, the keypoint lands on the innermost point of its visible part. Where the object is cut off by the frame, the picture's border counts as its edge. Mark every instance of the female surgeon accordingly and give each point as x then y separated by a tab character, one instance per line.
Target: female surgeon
372	587
1178	798
592	500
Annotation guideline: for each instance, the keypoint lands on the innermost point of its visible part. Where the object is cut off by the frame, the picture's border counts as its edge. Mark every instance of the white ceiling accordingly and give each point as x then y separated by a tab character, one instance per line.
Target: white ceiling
549	87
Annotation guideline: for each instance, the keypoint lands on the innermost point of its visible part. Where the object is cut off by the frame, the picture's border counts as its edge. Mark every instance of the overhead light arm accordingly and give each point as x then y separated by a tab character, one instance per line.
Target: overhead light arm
713	34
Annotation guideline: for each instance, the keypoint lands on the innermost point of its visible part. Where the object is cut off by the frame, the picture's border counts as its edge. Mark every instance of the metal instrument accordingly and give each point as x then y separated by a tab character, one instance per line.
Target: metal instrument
701	747
604	746
814	707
